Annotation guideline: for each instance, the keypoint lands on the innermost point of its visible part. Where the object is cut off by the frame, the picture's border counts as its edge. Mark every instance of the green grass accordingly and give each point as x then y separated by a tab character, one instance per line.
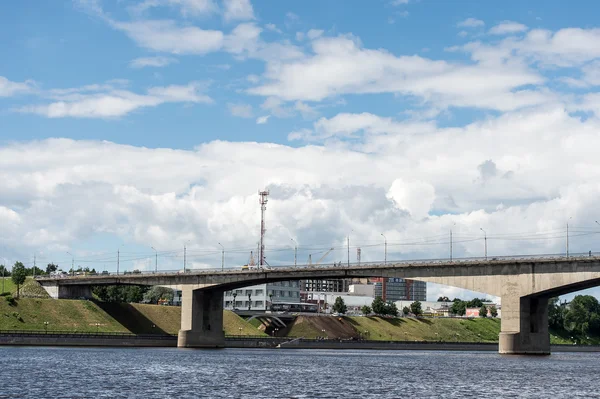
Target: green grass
8	285
82	316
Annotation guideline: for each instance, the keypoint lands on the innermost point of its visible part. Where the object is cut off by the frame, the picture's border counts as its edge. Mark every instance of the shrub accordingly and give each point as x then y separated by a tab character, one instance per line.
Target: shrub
11	301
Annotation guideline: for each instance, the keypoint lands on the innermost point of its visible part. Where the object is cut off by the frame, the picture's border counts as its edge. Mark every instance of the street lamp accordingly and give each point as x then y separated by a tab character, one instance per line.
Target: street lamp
295	251
185	254
155	260
72	264
385	249
485	240
568	235
97	327
453	224
348	242
222	256
240	329
46	326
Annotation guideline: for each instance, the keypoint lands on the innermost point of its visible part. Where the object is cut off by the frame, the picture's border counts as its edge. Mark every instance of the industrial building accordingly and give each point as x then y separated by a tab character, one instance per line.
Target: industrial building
398	289
260	297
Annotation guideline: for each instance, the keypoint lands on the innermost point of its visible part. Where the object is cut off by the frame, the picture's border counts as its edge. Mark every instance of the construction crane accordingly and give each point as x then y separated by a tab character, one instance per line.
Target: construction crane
319	261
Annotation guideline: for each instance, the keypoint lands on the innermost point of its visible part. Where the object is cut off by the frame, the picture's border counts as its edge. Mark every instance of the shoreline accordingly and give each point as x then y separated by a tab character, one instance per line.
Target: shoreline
62	339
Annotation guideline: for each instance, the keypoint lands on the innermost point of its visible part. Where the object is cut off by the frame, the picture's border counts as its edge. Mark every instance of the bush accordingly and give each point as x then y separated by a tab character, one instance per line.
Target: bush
11	301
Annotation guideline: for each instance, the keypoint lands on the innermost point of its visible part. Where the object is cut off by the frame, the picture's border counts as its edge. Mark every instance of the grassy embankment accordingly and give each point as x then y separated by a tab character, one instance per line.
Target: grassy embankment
403	329
82	316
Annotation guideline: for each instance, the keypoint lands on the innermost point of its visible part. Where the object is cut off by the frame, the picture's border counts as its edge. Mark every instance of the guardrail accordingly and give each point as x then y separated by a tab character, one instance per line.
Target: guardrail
283	268
76	334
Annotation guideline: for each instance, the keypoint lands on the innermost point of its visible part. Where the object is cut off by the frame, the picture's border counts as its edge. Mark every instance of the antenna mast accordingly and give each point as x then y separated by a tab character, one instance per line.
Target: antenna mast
263	207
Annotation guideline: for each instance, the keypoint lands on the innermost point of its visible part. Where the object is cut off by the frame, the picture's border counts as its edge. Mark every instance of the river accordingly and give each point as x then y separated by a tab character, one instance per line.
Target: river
34	372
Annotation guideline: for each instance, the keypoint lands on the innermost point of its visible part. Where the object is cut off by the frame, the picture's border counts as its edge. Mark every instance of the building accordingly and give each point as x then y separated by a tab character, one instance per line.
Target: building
337	285
259	297
397	289
429	308
362	290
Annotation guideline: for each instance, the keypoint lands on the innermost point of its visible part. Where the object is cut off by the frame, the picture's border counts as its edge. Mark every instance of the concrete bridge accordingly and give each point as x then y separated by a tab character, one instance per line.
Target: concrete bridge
523	284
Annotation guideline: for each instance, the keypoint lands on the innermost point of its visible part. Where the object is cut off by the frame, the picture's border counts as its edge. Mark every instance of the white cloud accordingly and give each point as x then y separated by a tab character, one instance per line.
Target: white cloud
507	28
471	23
314	33
8	88
187	7
414	196
158	62
238	10
261	120
341	66
107	101
166	36
240	110
399	2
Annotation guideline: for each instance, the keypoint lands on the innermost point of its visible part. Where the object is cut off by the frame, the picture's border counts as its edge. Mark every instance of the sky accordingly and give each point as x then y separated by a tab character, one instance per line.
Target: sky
132	129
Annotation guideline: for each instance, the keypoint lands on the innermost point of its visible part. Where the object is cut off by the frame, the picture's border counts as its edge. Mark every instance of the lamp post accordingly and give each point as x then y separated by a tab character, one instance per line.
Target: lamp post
295	251
240	330
384	249
485	240
568	235
453	224
46	326
348	242
222	256
97	327
155	260
72	264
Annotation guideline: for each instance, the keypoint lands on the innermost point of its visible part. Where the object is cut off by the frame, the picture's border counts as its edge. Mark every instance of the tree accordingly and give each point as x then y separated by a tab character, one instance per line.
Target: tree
51	268
475	303
459	308
18	275
493	311
366	310
406	311
556	314
415	308
443	299
483	311
392	309
378	306
583	316
4	271
339	306
157	293
115	293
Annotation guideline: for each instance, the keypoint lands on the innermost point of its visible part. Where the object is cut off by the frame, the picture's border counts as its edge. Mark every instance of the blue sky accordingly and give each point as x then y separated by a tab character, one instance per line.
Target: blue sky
128	124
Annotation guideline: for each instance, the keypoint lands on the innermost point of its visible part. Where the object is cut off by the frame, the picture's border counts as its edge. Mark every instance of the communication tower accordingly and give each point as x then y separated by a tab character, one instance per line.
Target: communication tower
263	207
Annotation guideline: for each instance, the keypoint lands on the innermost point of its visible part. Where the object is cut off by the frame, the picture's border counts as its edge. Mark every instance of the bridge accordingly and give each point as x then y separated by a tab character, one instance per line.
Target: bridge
523	284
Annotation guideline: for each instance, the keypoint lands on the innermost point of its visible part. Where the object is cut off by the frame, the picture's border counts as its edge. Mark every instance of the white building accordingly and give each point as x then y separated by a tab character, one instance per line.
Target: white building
259	297
362	290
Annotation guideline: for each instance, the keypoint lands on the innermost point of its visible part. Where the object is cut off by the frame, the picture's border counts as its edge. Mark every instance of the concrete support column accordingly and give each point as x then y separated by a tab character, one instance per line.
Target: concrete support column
68	291
201	319
524	326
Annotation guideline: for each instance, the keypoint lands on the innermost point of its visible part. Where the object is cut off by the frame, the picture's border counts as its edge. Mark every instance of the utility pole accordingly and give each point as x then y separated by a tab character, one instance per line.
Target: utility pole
295	251
358	255
568	236
222	257
184	256
263	207
348	250
118	259
155	260
72	264
450	245
385	249
33	266
485	241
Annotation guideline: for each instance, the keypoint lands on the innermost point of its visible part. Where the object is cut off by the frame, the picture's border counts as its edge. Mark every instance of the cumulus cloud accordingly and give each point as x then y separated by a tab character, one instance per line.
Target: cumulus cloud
158	62
471	23
341	65
261	120
187	7
107	101
8	88
238	10
507	28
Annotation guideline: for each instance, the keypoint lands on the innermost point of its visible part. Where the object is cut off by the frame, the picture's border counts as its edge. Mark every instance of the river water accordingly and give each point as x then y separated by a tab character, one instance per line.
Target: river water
31	372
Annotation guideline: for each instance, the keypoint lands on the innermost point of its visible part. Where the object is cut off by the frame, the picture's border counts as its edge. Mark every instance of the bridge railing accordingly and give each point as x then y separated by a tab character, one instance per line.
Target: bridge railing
340	265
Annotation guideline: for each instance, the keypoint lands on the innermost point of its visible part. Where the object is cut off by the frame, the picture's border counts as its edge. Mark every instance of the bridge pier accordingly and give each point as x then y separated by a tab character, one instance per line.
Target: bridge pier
524	329
68	291
201	319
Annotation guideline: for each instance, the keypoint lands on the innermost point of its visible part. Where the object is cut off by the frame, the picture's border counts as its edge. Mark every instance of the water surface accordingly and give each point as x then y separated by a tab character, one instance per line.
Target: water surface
32	372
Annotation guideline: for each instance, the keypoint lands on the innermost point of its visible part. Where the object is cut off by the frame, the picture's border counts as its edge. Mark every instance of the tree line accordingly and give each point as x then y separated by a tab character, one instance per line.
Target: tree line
580	318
